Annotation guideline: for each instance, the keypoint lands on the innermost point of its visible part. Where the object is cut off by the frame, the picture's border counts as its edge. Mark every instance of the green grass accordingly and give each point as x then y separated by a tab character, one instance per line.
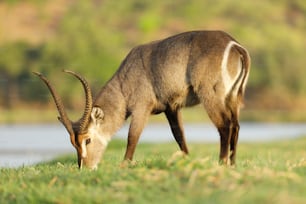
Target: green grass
265	173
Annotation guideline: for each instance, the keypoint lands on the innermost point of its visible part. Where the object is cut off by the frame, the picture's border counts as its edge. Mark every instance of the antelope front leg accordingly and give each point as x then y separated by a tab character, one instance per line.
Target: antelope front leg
175	121
137	124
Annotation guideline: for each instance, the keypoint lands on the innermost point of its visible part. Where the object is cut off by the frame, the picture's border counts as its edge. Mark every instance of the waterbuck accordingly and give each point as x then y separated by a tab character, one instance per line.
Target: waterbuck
207	67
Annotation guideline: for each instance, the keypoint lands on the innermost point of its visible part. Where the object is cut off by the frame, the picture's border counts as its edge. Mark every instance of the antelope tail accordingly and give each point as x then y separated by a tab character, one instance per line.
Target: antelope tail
243	77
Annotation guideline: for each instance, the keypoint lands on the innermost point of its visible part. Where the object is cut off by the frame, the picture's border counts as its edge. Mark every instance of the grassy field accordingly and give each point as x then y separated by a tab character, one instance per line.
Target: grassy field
265	173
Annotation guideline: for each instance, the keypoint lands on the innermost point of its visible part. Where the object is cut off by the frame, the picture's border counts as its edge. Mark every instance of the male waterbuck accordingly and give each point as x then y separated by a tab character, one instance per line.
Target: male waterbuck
207	67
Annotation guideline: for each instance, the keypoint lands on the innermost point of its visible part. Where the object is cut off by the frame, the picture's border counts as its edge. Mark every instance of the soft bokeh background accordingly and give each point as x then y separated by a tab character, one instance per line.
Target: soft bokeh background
92	37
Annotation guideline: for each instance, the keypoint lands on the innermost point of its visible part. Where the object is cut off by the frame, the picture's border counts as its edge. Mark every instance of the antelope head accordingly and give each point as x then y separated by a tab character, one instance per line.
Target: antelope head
85	134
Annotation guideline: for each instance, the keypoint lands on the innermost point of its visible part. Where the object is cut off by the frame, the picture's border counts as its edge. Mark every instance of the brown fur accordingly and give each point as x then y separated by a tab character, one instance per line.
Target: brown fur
166	75
163	76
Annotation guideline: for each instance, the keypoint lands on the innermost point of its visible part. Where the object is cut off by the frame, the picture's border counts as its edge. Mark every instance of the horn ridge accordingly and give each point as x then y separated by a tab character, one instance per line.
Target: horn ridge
88	101
63	118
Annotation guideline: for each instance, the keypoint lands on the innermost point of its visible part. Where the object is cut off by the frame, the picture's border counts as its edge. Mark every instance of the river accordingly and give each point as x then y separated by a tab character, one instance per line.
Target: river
28	144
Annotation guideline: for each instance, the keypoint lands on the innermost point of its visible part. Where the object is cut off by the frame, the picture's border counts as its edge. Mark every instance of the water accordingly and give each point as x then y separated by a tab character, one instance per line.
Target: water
29	144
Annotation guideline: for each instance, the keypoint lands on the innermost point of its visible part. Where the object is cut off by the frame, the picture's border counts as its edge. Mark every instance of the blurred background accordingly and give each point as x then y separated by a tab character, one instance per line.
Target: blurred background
92	37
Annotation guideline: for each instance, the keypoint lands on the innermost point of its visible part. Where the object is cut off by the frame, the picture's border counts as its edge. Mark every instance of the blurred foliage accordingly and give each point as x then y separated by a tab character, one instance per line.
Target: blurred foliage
92	37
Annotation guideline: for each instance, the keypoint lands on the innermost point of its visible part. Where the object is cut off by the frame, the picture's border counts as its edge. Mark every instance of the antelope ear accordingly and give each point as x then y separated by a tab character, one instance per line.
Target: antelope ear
97	115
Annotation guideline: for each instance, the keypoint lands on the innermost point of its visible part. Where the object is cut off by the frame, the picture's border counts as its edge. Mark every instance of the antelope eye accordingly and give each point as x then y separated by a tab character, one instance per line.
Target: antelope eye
87	141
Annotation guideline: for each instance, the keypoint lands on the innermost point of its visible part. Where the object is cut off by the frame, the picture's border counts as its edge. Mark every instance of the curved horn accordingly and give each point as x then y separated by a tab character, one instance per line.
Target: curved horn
88	103
60	107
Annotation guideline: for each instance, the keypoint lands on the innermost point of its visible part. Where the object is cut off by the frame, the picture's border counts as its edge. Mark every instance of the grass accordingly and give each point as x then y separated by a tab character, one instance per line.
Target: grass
265	173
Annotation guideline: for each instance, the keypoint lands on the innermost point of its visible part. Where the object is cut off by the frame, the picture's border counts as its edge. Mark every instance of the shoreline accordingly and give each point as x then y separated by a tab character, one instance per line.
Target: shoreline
23	145
195	114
